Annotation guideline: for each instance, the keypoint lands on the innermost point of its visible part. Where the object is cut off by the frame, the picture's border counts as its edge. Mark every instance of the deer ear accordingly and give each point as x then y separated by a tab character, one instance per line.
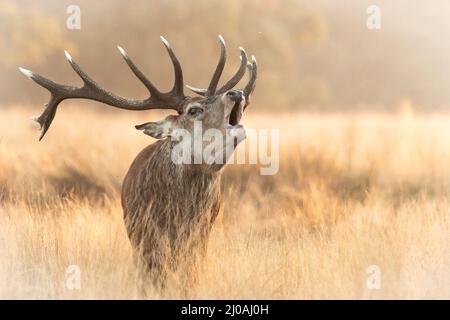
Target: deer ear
159	129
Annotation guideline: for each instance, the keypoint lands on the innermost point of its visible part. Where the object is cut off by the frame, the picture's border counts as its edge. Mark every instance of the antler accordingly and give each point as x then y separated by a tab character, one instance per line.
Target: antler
253	73
252	68
91	90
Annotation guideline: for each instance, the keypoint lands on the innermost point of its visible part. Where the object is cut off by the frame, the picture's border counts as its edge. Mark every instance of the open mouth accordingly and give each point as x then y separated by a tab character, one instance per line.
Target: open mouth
236	113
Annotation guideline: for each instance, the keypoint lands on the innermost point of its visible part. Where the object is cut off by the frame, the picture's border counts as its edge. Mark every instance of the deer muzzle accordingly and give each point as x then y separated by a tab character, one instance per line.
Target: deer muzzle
238	98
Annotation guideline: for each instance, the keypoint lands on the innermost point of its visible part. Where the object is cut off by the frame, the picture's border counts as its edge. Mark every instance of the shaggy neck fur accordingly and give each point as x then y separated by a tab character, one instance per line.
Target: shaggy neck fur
168	208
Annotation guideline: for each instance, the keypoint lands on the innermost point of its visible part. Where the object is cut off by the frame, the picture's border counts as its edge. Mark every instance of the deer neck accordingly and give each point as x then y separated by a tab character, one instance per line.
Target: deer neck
195	180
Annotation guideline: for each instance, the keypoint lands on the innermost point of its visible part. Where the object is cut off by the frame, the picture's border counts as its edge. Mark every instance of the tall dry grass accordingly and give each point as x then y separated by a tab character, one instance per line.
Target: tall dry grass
352	191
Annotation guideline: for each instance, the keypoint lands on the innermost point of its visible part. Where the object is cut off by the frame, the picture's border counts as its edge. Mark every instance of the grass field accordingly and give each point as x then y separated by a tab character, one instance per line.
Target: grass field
353	190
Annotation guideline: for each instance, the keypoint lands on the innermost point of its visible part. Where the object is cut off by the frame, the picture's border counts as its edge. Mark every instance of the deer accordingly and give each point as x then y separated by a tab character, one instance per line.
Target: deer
168	208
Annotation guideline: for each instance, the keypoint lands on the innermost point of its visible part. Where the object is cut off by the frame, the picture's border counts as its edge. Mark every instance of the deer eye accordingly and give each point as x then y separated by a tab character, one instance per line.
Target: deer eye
195	111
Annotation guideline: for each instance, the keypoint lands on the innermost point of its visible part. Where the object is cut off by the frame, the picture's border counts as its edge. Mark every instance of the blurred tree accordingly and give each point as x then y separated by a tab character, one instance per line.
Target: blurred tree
27	33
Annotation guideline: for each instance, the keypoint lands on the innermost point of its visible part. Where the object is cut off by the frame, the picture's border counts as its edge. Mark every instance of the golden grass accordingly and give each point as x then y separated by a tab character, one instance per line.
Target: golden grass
352	191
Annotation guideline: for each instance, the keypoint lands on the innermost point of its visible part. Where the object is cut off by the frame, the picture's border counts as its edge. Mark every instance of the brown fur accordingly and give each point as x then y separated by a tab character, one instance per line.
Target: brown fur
168	209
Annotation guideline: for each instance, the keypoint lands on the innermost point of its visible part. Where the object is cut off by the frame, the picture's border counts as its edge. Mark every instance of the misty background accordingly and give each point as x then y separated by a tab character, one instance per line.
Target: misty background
312	55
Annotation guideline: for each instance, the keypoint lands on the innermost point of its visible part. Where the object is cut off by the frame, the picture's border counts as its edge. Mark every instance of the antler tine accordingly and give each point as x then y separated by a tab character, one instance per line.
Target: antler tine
178	84
56	93
83	75
253	72
91	90
199	91
151	88
231	83
237	76
218	72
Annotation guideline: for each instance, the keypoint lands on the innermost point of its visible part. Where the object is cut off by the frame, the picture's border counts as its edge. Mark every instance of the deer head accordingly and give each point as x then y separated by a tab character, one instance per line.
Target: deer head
220	109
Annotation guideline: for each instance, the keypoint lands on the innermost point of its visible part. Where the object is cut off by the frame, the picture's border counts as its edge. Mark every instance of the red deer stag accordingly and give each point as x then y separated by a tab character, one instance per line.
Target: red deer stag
168	207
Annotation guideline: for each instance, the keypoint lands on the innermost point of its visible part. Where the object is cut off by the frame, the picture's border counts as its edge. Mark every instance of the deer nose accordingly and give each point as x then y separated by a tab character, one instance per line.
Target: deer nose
235	95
